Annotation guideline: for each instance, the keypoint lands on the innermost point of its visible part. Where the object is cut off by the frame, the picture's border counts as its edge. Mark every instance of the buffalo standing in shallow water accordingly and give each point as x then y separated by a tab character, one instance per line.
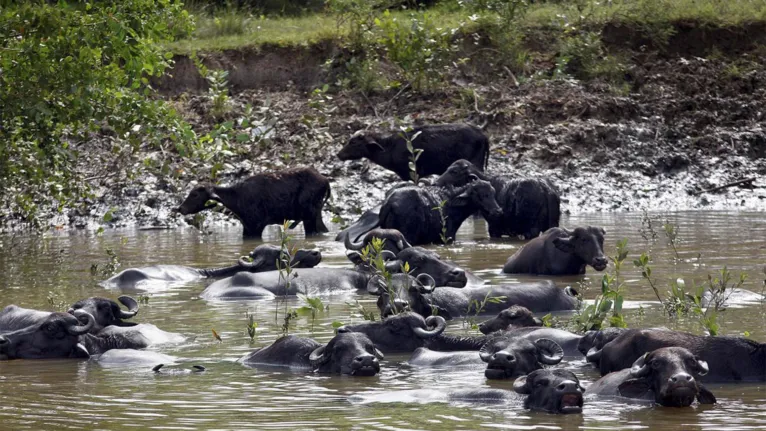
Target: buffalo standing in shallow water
268	198
530	206
560	252
665	376
346	353
552	391
264	258
413	211
441	144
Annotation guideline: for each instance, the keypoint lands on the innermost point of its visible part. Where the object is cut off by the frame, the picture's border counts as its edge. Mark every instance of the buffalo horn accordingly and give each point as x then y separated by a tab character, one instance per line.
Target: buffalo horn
549	352
640	368
131	304
439	326
77	329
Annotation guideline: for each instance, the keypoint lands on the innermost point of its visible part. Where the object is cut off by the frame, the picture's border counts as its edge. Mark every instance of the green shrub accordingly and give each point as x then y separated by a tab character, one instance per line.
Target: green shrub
68	69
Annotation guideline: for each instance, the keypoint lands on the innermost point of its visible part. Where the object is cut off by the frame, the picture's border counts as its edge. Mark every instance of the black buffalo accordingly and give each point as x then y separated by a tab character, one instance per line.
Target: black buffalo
530	206
731	359
264	258
509	356
560	252
441	144
595	340
552	391
515	316
308	280
451	303
56	335
393	240
413	211
107	312
665	376
268	198
406	332
346	353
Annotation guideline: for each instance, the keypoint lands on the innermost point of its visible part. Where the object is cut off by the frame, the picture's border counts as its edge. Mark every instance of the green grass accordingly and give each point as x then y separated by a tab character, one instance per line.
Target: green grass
232	29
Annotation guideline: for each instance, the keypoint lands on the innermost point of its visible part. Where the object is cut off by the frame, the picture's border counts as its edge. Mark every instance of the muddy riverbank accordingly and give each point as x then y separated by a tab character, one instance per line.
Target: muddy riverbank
679	124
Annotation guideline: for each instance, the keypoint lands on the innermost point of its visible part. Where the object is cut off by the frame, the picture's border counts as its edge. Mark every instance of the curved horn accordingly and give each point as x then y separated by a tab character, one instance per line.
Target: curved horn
378	354
317	357
403	244
593	355
521	386
437	321
394	265
387	255
484	354
549	352
569	290
77	329
703	368
131	304
353	245
639	368
427	282
472	177
255	264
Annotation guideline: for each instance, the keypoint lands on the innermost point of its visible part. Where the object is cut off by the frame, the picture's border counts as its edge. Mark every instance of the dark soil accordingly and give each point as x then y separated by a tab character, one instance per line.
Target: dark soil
679	125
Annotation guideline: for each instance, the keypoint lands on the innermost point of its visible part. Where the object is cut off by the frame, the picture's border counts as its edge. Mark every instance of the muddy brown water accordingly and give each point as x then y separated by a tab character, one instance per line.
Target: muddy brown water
84	395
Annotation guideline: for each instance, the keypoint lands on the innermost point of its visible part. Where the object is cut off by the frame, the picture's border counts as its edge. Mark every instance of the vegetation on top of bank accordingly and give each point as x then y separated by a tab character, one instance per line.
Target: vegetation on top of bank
235	28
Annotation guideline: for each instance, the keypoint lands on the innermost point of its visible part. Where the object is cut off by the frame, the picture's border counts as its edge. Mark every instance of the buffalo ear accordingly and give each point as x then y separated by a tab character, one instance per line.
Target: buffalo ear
373	143
462	199
603	231
520	386
79	351
702	367
564	244
318	357
634	388
705	396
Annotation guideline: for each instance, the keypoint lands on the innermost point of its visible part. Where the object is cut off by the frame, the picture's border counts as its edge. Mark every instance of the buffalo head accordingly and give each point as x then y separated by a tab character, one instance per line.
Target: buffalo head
54	337
265	257
587	243
197	200
592	342
480	194
362	144
515	315
401	333
553	391
459	173
668	372
347	353
107	312
508	357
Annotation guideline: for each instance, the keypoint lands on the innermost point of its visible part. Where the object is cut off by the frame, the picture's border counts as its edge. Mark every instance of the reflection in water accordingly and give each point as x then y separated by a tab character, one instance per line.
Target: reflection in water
84	395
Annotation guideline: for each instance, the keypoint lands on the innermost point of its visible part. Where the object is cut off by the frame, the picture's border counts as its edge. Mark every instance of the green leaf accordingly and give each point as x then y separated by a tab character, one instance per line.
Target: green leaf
604	284
109	215
304	311
336	324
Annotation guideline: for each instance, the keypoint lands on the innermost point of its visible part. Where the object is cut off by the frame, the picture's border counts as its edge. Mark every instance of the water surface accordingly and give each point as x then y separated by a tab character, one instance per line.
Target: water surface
67	394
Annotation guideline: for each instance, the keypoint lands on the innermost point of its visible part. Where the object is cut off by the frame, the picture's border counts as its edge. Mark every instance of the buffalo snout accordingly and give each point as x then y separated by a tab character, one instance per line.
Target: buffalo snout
365	365
457	278
600	263
502	365
343	330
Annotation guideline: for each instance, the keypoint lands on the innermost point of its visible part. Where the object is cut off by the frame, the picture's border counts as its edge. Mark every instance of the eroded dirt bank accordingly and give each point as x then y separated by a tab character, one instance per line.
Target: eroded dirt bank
681	124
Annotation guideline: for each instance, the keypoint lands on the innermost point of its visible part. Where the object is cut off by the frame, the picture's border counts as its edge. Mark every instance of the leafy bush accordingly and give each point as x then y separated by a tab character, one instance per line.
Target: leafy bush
67	69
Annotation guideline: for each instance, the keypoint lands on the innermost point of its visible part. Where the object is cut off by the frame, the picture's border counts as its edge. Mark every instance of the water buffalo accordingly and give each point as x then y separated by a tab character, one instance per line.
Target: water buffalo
530	206
268	198
515	316
451	303
406	332
57	335
508	356
346	353
552	391
414	210
264	258
441	144
665	376
595	340
394	241
139	336
269	284
731	359
560	252
423	356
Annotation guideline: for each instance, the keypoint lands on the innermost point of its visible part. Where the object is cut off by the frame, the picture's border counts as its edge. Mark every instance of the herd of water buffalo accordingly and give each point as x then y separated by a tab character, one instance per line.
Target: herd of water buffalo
657	364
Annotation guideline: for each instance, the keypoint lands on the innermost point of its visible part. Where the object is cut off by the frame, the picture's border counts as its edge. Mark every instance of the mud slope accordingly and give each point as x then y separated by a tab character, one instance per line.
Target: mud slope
688	119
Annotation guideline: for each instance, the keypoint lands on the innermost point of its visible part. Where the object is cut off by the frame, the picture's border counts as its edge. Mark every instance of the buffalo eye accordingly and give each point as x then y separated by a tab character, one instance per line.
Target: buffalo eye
655	365
542	383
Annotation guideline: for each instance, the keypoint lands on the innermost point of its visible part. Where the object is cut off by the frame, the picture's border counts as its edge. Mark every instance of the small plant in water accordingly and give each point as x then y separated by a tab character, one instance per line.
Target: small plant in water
313	306
372	254
415	153
443	234
671	233
286	274
252	325
109	268
611	297
56	301
477	307
366	314
647	230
